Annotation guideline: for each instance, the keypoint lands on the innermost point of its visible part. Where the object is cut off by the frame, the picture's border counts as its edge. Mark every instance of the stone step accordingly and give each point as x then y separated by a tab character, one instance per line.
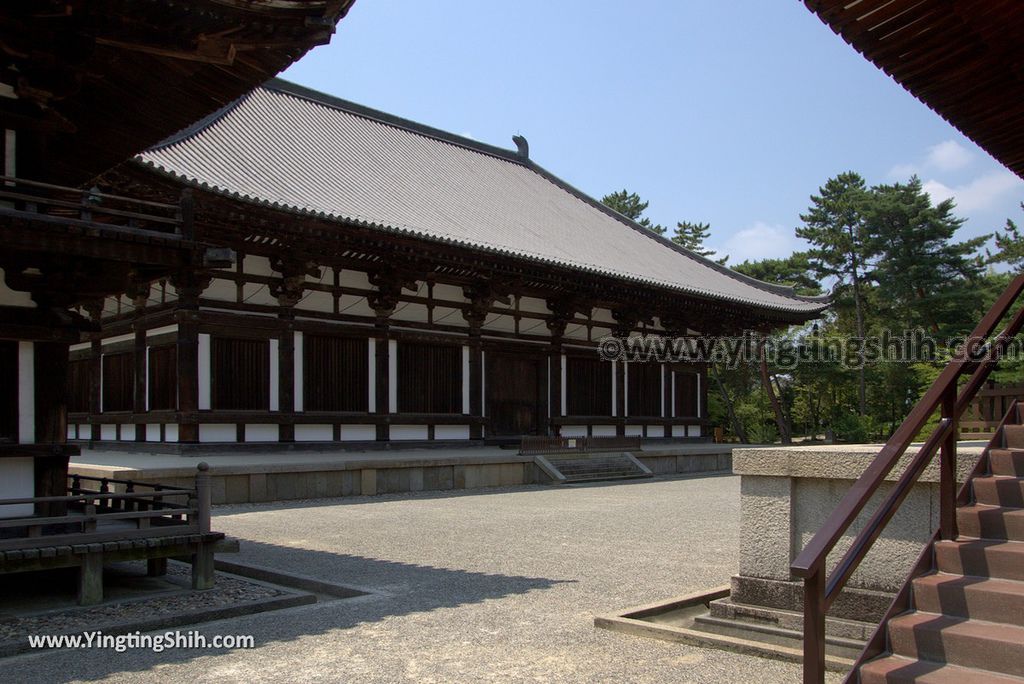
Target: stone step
967	643
982	558
999	490
991	522
599	478
1013	435
899	670
966	596
1008	462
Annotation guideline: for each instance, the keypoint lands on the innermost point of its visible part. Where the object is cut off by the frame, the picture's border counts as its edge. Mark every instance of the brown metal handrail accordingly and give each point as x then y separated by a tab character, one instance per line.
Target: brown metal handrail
979	358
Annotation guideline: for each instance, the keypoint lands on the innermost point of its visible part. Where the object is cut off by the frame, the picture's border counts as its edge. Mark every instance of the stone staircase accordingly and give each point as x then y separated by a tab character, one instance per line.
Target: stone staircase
967	621
597	467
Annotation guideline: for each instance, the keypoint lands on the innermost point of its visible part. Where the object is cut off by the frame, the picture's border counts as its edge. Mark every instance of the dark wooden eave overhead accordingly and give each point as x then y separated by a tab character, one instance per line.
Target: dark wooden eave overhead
962	58
98	80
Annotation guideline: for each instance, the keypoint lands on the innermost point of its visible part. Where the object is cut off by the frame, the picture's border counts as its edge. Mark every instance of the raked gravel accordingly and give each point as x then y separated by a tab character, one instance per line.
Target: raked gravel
497	585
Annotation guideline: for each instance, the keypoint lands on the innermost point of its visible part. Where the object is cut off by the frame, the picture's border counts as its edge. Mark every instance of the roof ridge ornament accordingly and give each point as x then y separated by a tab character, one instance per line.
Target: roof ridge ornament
522	147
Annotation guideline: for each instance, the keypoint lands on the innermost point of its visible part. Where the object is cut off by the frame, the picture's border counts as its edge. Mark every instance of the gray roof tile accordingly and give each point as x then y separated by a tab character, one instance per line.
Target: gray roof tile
308	152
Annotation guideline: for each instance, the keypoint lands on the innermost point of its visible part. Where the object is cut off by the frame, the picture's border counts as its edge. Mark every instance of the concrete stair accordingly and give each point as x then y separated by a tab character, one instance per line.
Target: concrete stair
597	467
967	621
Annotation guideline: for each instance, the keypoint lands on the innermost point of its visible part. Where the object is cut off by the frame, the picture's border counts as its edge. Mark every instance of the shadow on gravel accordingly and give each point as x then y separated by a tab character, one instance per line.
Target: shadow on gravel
396	589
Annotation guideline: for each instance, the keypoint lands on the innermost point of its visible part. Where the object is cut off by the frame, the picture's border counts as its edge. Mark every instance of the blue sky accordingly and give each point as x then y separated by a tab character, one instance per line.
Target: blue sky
732	113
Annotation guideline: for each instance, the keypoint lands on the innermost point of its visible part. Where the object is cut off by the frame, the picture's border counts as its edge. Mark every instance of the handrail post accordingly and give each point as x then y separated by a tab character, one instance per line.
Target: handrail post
947	469
203	496
814	626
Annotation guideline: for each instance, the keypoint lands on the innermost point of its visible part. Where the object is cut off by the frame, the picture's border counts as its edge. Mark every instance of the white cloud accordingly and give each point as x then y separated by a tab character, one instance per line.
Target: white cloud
948	156
979	194
761	241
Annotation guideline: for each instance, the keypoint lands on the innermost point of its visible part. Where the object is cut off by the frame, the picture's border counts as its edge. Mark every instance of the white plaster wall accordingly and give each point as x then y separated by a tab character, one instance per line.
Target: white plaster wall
406	432
9	297
222	290
152	432
217	432
26	393
257	293
315	300
203	366
655	430
574	431
451	432
314	433
261	432
171	432
351	278
17	481
408	311
358	433
634	430
603	431
693	431
108	432
258	265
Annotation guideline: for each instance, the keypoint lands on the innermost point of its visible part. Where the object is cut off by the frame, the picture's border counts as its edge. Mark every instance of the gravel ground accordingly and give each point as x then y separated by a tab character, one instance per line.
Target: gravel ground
488	586
229	591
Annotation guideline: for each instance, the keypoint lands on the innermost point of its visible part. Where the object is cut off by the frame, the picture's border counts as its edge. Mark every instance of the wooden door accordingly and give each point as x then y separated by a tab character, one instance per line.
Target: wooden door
515	386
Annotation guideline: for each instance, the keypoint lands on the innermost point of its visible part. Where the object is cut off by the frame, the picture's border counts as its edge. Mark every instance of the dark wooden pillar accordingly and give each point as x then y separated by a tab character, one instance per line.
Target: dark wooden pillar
50	367
556	324
667	398
382	371
286	381
189	286
95	310
139	293
620	397
476	380
289	292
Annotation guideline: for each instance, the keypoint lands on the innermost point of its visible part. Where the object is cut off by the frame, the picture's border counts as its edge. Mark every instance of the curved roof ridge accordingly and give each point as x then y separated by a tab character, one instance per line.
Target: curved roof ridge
276	147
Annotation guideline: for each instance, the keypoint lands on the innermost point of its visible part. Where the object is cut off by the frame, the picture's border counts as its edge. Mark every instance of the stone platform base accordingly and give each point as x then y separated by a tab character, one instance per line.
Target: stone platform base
287	475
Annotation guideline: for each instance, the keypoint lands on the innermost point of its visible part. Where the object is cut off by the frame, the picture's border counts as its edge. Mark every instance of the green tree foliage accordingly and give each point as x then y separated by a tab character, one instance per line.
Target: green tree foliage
794	271
894	262
630	205
835	227
692	236
1009	246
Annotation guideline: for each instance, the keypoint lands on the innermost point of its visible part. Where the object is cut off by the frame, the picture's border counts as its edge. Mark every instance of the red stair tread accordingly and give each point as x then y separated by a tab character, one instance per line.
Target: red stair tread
897	669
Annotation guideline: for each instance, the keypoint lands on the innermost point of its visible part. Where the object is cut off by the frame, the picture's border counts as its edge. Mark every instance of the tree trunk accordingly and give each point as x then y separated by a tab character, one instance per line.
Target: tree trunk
737	426
858	309
766	383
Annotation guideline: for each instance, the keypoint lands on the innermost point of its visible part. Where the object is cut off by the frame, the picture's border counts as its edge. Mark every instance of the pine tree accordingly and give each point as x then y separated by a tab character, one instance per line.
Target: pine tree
692	236
1009	246
632	207
835	226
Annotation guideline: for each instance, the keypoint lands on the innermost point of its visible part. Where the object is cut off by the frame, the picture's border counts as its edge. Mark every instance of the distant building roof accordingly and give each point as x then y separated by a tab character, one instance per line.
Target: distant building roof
305	152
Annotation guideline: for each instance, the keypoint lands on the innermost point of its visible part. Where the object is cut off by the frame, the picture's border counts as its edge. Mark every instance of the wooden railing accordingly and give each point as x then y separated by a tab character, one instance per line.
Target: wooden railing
102	514
572	445
977	359
58	204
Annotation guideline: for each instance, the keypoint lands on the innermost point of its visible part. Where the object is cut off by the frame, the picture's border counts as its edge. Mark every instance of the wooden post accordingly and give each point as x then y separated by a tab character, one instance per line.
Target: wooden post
139	403
50	368
203	503
620	398
947	469
286	379
555	370
90	579
156	567
814	627
189	286
95	386
186	213
382	372
476	366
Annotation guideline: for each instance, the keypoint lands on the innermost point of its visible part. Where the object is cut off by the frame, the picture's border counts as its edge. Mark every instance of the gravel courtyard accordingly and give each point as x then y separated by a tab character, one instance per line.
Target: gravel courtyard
490	585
